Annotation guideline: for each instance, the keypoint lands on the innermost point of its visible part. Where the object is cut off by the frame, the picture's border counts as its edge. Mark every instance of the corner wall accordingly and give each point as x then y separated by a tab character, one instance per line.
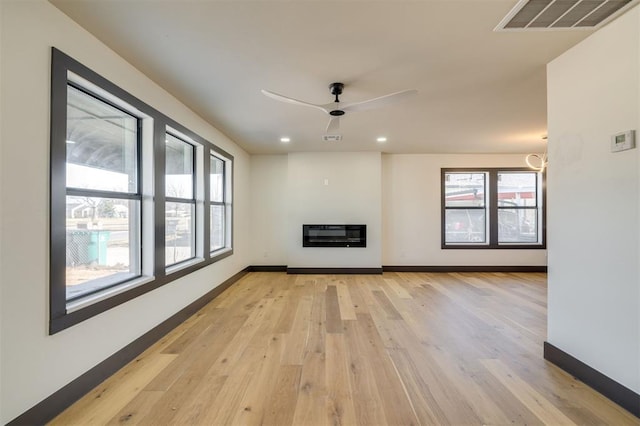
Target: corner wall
270	209
412	213
409	206
33	365
594	198
1	204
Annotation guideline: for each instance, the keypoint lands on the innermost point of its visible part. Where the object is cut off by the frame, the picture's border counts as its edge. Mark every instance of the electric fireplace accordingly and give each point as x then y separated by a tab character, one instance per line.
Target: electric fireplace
334	235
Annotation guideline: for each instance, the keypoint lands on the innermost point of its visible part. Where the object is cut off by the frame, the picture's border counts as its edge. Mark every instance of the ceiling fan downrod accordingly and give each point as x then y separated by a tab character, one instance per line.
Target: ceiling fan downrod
336	90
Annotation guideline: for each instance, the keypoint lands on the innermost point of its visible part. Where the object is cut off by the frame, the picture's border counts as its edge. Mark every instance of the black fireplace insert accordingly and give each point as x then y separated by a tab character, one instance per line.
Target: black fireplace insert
334	235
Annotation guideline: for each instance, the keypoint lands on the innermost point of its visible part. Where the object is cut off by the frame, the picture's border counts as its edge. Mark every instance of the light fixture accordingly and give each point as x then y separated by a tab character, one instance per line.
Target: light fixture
381	139
70	142
285	139
538	162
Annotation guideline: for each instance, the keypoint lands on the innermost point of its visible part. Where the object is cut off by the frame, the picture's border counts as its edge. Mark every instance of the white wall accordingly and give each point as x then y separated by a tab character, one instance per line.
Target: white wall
412	218
594	196
1	205
409	208
270	209
34	364
341	187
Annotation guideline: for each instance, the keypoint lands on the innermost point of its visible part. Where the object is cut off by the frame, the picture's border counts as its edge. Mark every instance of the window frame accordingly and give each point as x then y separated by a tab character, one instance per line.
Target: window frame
196	182
151	162
492	209
484	208
536	208
226	203
72	191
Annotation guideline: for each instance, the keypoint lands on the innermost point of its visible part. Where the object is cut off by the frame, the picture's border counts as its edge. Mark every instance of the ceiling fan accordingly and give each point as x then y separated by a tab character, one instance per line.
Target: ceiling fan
336	109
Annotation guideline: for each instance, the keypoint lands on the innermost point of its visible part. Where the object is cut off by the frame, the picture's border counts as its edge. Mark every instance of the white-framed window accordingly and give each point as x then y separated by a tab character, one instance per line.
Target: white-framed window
492	208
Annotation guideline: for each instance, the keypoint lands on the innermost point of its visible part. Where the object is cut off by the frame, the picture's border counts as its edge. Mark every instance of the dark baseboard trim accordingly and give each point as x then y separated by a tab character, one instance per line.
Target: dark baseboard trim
334	270
284	268
464	268
621	395
53	405
267	268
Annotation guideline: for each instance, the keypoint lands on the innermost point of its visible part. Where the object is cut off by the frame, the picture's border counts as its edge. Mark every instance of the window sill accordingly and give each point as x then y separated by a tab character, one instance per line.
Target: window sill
494	247
183	265
91	299
218	252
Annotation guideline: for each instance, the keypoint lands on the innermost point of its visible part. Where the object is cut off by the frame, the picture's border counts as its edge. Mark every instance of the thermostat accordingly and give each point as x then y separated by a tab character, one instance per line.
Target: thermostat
623	141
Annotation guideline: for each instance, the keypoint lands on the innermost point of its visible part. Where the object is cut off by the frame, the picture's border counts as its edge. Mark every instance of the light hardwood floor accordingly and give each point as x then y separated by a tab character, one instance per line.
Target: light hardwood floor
398	348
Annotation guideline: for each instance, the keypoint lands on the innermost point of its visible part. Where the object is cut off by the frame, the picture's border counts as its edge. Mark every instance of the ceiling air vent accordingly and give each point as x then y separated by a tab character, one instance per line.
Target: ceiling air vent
562	14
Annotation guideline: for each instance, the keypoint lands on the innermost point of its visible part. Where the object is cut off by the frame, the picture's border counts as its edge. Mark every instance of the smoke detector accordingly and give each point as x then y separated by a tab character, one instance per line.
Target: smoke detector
332	138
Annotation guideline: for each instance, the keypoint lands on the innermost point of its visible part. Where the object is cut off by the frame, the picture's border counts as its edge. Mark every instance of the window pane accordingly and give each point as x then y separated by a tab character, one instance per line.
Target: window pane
102	243
179	235
179	168
465	226
517	225
517	189
217	227
217	179
102	145
464	189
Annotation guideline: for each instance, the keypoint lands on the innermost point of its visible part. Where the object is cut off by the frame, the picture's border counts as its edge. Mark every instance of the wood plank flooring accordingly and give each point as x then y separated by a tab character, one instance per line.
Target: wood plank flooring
397	349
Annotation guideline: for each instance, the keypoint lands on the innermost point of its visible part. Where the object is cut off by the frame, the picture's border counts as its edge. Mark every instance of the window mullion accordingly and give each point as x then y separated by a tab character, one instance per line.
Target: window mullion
492	207
159	165
206	216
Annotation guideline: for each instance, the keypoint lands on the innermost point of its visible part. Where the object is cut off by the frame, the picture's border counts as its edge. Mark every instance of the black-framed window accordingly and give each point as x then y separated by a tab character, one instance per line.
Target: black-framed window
493	208
180	200
103	194
465	207
219	202
519	207
121	172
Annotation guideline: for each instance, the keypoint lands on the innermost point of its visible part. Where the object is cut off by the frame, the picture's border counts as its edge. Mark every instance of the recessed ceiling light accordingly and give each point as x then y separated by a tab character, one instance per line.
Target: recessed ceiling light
381	139
285	139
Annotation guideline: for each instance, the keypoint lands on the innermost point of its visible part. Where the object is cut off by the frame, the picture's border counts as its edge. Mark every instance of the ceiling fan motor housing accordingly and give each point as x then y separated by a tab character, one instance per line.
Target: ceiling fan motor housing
336	88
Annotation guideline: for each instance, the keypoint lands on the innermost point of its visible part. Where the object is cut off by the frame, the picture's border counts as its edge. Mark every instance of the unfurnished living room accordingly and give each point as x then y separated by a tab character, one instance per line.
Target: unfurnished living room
286	212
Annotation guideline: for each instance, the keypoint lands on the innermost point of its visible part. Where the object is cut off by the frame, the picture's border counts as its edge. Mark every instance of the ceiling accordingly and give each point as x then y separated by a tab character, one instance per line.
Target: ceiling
480	91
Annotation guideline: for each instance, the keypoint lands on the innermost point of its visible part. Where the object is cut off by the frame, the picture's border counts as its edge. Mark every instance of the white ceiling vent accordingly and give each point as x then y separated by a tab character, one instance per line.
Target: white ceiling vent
562	14
332	138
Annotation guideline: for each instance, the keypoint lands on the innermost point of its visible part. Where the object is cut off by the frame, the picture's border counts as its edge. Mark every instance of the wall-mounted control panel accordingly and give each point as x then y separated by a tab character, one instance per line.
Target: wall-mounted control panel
623	141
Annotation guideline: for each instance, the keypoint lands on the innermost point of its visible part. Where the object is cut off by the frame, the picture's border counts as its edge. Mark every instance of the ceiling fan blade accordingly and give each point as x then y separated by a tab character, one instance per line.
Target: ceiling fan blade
380	101
289	100
334	125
